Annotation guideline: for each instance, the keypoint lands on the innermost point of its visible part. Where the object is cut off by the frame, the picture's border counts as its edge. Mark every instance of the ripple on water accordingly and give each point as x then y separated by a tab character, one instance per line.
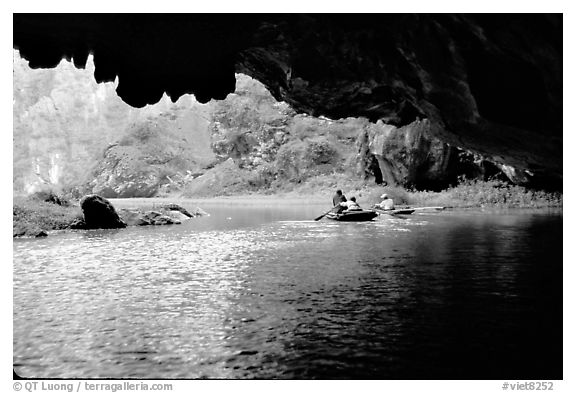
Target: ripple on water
285	299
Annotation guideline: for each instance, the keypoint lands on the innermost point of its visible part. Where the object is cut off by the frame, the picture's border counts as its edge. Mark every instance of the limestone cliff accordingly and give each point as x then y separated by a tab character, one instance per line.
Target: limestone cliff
154	154
413	157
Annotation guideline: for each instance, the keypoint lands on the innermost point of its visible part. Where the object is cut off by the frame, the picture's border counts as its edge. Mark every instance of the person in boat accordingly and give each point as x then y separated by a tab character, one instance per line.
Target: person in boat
386	204
351	205
337	199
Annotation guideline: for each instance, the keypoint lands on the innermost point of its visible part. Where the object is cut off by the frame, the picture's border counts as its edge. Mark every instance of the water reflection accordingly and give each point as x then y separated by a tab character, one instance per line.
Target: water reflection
434	296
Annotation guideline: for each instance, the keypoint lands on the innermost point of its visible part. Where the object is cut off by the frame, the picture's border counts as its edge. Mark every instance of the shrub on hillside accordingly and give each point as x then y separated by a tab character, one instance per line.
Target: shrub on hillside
320	151
139	133
289	159
499	193
491	193
234	143
49	196
262	177
298	160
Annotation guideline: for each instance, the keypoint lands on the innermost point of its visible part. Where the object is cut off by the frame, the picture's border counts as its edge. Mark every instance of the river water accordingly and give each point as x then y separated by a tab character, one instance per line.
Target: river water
266	292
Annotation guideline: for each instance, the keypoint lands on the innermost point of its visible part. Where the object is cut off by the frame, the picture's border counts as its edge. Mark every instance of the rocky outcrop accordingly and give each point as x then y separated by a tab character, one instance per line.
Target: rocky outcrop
405	155
150	157
140	218
78	223
124	174
133	217
176	211
224	179
166	214
158	218
100	213
174	208
176	215
412	156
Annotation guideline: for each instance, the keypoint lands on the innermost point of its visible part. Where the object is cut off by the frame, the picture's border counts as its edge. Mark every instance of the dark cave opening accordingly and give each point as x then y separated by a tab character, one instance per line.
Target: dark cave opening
508	91
373	169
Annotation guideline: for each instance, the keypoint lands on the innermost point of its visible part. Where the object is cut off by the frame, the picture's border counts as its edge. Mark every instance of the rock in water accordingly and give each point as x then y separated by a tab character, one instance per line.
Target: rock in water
175	214
99	213
133	217
78	223
138	217
157	218
174	207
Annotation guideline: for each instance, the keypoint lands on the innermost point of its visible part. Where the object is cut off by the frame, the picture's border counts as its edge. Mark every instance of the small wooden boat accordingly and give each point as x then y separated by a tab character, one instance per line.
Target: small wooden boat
394	212
353	215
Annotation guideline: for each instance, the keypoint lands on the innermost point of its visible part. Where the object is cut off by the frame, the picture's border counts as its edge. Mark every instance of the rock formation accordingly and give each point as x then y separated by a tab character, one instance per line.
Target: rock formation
140	218
488	83
166	214
413	157
100	213
151	155
172	207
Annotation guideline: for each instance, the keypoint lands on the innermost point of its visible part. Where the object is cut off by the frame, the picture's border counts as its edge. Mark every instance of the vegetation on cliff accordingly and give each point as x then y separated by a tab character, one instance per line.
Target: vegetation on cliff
473	193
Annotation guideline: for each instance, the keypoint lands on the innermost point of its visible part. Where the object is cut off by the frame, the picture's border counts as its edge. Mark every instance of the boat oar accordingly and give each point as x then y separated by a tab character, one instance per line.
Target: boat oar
429	208
322	216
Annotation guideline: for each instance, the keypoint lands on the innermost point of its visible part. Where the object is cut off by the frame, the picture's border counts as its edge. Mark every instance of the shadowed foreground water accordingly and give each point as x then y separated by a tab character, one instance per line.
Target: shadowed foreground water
260	293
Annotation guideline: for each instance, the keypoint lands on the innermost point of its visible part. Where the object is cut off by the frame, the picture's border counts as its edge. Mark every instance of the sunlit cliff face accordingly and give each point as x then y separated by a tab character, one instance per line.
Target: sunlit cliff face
64	120
488	83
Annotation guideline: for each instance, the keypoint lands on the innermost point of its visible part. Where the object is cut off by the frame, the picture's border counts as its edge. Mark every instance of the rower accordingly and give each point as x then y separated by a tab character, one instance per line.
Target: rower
337	200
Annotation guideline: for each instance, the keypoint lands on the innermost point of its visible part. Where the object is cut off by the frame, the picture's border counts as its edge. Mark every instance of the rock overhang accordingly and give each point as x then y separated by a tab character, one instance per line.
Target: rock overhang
488	83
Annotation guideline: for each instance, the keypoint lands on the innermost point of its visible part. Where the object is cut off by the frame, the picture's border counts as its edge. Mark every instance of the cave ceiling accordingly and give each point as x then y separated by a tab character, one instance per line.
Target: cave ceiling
490	83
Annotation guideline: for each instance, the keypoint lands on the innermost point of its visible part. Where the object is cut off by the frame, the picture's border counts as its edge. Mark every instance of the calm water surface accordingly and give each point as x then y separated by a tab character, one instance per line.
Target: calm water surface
265	292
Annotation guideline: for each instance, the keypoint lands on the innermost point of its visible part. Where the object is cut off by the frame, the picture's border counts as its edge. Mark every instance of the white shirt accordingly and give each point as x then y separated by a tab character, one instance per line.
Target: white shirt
351	205
387	204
